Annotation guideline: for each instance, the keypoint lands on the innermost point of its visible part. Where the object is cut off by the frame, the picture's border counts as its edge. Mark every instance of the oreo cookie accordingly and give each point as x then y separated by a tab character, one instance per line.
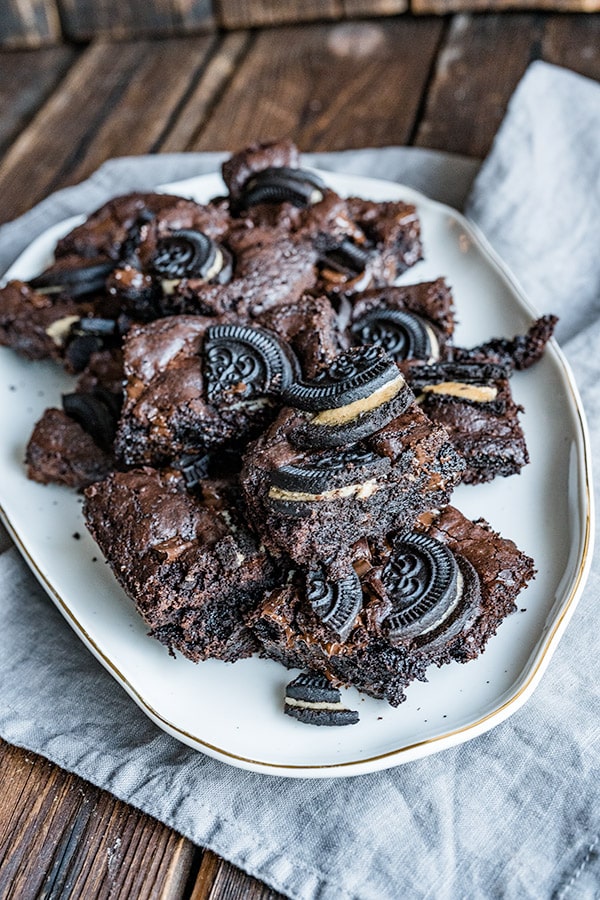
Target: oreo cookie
191	254
329	476
195	467
336	603
76	281
402	334
423	582
352	376
97	413
311	699
283	185
243	363
473	383
87	336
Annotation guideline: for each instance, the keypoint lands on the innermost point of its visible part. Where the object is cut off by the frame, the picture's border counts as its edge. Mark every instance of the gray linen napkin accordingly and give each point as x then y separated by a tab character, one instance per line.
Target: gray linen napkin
512	814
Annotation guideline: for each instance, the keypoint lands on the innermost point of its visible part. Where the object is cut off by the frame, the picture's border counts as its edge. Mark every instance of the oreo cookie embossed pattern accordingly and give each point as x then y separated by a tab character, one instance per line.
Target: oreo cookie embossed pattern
268	430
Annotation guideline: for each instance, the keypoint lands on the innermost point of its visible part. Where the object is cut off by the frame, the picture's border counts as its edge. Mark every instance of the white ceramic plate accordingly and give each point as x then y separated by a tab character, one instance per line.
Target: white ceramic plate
234	712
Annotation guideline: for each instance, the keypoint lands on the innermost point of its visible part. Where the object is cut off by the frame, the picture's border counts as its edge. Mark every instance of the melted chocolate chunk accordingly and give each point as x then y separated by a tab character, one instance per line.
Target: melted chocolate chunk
243	363
403	335
421	580
96	412
283	184
336	603
352	376
76	282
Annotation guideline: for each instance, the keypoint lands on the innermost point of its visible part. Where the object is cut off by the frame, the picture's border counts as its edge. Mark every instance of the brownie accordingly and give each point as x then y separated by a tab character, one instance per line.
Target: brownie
368	461
36	325
519	352
193	383
412	322
427	597
473	401
187	560
60	451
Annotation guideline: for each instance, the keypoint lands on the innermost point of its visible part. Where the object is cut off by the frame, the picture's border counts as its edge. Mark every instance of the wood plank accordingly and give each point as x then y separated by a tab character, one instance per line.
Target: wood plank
109	104
30	24
219	879
214	77
28	78
353	9
468	95
443	7
62	837
87	19
347	85
573	41
252	13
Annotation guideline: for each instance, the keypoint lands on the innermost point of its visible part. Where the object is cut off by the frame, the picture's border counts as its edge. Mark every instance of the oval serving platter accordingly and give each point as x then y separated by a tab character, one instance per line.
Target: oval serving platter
234	712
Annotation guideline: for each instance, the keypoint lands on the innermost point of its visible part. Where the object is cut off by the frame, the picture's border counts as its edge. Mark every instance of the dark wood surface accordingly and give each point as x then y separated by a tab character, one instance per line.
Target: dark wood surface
433	82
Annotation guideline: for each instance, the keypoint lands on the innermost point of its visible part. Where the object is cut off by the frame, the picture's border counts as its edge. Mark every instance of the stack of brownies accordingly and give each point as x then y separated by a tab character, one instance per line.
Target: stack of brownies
268	430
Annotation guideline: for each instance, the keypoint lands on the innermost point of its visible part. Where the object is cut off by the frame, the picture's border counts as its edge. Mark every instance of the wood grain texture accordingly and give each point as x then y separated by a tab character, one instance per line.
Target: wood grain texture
469	92
573	41
346	85
219	879
87	19
443	7
28	78
110	104
62	837
29	23
252	13
365	8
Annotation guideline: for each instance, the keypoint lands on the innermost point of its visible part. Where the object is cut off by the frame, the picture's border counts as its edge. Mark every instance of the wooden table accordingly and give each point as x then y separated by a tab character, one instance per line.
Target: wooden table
439	82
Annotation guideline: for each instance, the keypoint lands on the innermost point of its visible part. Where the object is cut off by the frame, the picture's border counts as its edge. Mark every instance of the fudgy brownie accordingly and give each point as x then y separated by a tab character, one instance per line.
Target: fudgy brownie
61	451
428	596
473	401
356	456
194	383
188	560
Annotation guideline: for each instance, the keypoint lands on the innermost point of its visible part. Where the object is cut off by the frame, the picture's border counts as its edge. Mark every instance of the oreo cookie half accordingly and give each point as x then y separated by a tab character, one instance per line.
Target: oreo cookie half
402	334
190	254
283	184
336	603
310	698
329	476
97	413
424	584
76	281
243	363
470	382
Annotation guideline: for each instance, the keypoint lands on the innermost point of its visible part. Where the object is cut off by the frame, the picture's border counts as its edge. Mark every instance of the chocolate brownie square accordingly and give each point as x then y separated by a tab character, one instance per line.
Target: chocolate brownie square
188	561
429	596
355	456
473	401
61	451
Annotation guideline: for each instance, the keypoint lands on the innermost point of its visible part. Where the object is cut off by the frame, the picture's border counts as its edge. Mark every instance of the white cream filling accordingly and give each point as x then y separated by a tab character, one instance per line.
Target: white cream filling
59	330
434	344
306	704
169	285
459	592
360	491
343	414
478	393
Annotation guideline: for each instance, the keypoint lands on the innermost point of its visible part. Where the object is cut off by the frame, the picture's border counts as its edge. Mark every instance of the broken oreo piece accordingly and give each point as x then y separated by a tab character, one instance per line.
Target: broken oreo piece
343	262
190	254
244	363
76	282
352	376
283	184
469	382
311	699
424	584
402	334
329	476
87	336
96	412
336	603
